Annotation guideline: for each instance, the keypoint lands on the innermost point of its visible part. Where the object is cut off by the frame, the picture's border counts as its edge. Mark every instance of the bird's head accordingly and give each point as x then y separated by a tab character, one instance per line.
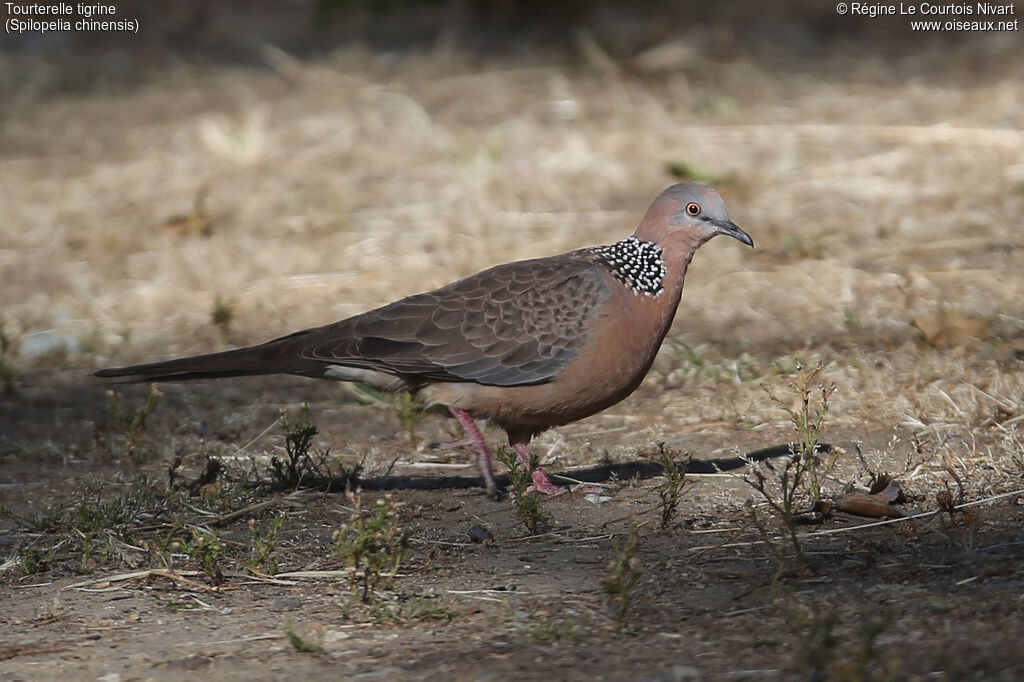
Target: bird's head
688	213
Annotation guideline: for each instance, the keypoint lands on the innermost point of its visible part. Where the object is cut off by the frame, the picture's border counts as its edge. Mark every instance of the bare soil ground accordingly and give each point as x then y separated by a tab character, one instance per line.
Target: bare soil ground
219	206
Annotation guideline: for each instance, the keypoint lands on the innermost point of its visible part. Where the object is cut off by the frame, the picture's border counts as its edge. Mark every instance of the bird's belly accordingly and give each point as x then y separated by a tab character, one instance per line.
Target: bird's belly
537	407
600	378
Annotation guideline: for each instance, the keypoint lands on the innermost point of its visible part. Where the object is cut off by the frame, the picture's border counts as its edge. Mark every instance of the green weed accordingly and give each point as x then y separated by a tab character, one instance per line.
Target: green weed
207	551
528	507
263	544
401	609
554	629
829	650
802	474
372	546
127	525
298	438
692	366
222	316
35	559
671	491
624	573
129	421
687	171
409	412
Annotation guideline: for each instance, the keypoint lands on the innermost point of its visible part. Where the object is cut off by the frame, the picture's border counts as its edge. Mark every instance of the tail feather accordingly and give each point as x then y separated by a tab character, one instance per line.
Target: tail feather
280	356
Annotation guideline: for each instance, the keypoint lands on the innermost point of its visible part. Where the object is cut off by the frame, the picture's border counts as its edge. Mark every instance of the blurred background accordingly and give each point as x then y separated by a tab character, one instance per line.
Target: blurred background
240	169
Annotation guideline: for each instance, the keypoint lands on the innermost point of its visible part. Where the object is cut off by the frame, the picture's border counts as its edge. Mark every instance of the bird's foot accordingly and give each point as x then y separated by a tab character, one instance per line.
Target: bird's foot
542	484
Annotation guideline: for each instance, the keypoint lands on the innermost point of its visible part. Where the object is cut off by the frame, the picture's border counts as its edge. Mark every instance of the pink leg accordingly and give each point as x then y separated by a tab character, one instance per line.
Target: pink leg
484	456
541	482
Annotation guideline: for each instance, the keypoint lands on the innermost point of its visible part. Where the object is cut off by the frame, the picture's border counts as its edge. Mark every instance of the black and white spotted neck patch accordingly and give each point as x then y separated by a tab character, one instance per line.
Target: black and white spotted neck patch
636	263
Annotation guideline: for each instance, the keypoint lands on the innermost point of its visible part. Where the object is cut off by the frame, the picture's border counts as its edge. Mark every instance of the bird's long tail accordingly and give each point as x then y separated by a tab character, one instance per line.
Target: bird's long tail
280	356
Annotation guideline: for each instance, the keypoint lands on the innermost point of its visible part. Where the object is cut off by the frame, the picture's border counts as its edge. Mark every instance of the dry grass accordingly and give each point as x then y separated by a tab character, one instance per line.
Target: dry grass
338	186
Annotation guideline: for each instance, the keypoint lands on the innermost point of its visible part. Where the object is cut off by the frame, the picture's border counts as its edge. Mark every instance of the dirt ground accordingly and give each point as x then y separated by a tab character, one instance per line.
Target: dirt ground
212	204
913	600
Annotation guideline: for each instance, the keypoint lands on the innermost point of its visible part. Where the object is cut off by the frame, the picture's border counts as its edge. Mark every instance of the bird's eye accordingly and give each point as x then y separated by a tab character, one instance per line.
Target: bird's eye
693	209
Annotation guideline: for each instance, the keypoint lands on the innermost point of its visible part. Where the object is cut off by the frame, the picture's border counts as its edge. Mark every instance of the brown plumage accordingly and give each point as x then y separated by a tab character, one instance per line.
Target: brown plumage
527	345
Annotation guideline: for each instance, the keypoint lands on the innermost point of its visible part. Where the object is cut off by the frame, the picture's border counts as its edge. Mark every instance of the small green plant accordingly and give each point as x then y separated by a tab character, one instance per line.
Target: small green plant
867	654
547	628
780	487
799	247
819	643
93	510
122	435
389	611
302	465
310	640
263	544
624	573
372	545
687	171
36	559
94	549
689	365
128	524
803	472
207	550
671	491
831	650
850	319
298	438
808	417
132	422
528	507
222	316
85	555
409	412
693	363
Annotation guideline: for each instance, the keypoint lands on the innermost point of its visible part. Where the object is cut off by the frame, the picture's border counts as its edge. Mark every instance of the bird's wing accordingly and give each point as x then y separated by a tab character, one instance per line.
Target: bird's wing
511	325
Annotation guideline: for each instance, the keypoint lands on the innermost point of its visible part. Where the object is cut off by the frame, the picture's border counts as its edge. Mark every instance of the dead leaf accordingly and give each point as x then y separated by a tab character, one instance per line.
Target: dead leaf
879	482
950	328
888	490
209	490
862	504
823	507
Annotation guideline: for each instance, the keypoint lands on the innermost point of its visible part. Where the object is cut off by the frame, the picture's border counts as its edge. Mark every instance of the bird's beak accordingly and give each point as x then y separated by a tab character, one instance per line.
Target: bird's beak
728	227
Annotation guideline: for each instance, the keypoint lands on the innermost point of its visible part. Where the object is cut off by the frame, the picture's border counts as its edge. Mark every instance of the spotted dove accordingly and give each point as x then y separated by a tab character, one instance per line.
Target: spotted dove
528	345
